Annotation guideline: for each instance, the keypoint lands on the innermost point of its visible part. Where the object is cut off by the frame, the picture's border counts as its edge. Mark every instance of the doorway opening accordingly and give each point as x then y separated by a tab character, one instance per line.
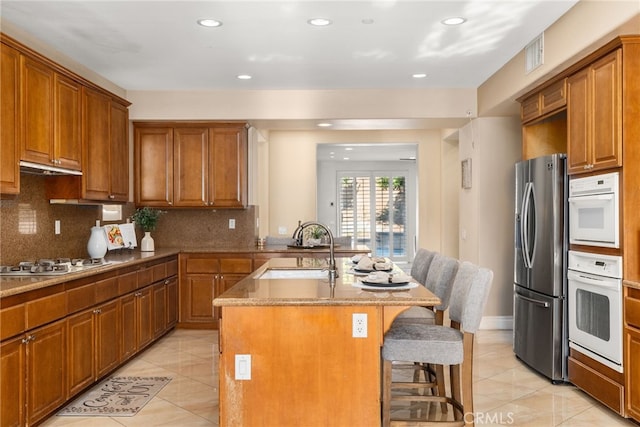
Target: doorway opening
370	196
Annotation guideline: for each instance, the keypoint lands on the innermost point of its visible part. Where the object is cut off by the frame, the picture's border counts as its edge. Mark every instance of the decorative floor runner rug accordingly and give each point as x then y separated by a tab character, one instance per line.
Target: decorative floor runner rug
116	397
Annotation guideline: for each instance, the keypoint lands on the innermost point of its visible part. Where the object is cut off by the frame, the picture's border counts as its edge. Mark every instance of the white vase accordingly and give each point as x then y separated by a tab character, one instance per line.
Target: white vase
147	244
97	245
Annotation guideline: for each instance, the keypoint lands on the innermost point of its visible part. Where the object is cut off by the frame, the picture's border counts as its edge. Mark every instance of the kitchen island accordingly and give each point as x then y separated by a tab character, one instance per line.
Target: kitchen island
288	352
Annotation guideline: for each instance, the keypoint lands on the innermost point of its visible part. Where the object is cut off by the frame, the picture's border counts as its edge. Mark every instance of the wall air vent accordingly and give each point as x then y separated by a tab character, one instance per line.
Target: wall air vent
534	54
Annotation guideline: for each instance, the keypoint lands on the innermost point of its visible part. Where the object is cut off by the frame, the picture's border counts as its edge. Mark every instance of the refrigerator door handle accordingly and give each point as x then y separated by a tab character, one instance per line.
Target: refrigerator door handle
534	301
524	231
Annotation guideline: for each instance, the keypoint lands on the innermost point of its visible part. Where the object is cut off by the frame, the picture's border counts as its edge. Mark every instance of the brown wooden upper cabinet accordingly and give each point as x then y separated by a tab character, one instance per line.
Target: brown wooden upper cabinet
9	120
52	116
106	172
594	112
544	102
105	176
197	165
50	105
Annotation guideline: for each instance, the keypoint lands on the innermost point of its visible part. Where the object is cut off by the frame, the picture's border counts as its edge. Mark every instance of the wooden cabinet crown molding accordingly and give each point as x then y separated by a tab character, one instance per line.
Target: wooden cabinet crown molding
191	123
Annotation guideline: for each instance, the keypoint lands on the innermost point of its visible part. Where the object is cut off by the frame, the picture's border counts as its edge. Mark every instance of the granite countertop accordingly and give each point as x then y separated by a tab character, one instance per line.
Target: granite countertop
254	291
275	249
12	285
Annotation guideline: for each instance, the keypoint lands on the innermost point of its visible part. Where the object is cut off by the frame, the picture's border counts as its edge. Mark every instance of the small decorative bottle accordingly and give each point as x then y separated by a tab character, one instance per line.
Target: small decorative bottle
97	245
147	244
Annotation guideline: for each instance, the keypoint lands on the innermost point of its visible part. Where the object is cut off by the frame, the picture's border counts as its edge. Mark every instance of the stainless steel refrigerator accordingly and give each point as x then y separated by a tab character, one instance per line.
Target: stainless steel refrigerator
540	329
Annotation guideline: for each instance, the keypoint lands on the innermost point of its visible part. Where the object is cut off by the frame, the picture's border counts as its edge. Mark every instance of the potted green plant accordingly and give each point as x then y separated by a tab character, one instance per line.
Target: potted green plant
147	219
315	234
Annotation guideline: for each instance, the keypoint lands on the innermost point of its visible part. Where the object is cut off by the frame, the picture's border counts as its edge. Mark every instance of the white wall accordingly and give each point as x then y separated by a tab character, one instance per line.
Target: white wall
487	208
450	199
585	27
292	178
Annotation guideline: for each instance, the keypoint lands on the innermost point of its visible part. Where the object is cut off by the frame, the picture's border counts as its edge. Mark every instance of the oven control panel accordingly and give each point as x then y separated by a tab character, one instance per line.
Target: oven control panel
602	265
596	184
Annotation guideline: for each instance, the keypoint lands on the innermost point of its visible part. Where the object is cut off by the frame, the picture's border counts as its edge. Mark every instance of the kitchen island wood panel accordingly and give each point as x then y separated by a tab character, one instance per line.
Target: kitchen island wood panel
306	367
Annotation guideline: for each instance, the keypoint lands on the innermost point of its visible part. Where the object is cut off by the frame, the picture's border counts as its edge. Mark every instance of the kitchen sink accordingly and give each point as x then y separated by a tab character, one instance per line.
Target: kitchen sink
294	273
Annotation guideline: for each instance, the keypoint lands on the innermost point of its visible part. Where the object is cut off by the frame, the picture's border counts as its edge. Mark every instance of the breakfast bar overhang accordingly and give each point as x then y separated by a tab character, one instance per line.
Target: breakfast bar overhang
288	355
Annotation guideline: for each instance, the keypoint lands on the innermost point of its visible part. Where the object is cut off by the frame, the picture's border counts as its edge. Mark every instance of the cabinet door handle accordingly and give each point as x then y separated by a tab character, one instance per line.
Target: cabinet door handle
166	282
26	339
97	311
111	196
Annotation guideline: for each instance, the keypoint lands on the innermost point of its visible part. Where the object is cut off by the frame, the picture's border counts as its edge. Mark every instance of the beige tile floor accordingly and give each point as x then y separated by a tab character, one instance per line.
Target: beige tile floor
506	391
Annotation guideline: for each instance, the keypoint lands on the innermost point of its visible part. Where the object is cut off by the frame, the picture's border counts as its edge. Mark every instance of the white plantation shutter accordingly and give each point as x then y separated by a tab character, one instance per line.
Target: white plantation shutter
372	211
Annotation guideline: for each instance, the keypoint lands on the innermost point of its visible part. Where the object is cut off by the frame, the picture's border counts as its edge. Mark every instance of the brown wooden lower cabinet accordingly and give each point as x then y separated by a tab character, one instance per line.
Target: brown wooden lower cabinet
159	309
144	317
93	345
46	366
172	302
203	277
107	348
632	350
128	336
80	341
598	380
74	342
12	387
632	372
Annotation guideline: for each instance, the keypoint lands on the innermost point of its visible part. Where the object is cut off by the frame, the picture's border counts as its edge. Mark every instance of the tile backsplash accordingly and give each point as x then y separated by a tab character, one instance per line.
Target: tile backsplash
27	226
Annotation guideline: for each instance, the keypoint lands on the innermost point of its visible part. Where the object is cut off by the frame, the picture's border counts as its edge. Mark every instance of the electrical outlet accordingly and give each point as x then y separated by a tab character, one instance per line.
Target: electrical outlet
243	366
232	223
359	329
56	226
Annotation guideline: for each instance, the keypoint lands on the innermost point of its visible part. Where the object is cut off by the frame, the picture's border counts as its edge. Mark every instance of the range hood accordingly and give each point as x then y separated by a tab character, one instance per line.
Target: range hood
38	169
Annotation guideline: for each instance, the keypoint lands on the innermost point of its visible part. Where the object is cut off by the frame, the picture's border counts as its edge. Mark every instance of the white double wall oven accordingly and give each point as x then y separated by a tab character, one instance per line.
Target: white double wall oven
594	278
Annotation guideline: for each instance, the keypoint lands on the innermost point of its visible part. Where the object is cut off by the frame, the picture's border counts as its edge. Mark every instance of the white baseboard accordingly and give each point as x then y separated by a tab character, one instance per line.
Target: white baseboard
496	322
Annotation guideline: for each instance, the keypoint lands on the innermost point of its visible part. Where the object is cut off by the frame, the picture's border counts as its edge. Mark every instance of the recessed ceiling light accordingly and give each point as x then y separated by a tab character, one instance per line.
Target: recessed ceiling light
324	125
348	149
209	22
419	75
456	20
367	21
345	158
244	77
319	22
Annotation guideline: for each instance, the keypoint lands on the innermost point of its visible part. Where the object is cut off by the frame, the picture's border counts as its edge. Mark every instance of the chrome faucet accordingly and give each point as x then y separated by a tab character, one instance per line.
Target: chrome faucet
298	237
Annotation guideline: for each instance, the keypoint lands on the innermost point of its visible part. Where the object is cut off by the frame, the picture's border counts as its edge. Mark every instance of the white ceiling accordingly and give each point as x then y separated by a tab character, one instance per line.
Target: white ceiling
373	152
157	45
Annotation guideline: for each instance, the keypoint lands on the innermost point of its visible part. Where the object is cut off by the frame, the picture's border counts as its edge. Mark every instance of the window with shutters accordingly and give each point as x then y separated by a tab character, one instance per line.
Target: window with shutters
372	210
